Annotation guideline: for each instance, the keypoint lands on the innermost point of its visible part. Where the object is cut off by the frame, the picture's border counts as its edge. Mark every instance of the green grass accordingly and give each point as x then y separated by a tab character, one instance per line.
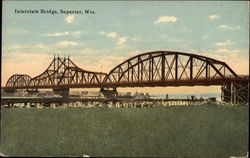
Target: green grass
180	131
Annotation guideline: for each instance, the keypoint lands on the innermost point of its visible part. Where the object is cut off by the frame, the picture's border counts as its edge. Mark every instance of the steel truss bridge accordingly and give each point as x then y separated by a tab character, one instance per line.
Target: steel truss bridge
150	69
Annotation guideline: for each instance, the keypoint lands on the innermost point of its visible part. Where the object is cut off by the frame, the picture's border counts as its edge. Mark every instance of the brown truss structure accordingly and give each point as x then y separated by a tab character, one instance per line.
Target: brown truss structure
168	68
61	71
18	80
159	68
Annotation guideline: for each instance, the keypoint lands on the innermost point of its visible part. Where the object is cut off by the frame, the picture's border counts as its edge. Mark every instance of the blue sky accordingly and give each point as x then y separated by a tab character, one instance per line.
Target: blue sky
119	30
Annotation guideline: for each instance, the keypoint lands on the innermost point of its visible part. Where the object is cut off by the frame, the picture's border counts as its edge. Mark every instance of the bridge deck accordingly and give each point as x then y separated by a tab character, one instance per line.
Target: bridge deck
198	82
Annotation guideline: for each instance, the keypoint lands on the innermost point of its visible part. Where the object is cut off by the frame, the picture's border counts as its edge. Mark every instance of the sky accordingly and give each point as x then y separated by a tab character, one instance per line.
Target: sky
120	30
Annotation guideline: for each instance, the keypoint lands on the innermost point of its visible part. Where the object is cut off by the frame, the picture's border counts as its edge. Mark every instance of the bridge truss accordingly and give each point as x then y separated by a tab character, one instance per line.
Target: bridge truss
150	69
165	68
61	72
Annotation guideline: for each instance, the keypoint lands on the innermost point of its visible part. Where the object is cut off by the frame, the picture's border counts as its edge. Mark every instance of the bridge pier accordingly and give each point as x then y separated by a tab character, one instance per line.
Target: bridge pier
109	93
64	92
236	92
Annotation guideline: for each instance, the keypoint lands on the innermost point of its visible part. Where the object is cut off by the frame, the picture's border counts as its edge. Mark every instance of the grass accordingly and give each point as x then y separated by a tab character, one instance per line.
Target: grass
178	131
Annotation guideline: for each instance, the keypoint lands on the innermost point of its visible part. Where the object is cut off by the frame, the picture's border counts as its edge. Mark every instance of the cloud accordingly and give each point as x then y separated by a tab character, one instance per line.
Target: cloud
70	18
109	34
59	34
226	50
77	33
162	19
228	42
212	17
227	27
67	43
121	40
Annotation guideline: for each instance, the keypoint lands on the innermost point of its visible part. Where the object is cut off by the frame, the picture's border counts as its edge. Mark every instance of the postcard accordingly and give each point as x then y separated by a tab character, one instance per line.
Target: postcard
125	79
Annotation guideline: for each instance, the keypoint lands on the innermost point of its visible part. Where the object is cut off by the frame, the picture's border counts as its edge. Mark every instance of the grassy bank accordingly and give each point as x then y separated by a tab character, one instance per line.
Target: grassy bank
190	131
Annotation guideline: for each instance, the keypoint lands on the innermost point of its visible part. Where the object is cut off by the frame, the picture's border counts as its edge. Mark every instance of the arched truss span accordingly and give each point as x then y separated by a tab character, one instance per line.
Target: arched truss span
18	80
168	66
65	72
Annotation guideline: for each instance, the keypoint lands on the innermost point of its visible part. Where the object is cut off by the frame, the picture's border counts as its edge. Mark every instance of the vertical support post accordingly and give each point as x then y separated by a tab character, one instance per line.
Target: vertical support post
128	71
132	78
176	67
152	69
207	70
54	63
58	71
76	76
191	67
163	59
138	72
149	69
82	77
119	73
142	67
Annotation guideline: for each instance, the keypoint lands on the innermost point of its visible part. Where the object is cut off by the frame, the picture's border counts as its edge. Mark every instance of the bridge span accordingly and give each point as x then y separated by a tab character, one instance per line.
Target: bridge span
150	69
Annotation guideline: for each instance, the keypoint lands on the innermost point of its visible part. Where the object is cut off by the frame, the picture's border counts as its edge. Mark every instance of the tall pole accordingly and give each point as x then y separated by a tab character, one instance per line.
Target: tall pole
191	67
163	67
176	67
